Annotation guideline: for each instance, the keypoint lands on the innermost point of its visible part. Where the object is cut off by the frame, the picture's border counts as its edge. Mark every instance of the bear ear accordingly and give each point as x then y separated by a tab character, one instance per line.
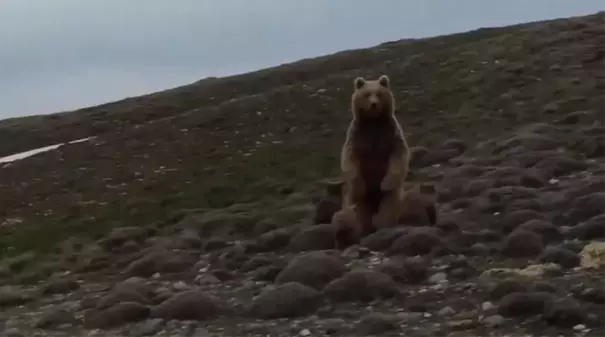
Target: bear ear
359	82
384	81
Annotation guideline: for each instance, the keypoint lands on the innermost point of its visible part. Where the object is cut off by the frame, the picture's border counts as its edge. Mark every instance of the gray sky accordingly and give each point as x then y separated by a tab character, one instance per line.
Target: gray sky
67	54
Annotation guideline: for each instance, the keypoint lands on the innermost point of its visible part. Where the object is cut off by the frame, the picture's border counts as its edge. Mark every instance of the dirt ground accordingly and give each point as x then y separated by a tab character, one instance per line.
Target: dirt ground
197	211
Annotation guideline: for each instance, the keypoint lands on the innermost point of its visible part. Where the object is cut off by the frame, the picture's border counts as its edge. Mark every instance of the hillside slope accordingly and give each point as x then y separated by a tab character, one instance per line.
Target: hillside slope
512	120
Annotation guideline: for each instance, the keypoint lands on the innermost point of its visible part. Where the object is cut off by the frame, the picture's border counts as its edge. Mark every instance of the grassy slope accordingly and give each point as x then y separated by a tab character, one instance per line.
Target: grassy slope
240	144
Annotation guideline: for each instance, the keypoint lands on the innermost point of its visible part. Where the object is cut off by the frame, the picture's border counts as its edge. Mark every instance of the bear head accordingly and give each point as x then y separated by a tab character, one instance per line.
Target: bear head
372	99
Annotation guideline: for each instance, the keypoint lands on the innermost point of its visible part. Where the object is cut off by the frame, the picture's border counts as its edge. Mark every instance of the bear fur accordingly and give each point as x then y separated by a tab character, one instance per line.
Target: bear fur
418	207
375	155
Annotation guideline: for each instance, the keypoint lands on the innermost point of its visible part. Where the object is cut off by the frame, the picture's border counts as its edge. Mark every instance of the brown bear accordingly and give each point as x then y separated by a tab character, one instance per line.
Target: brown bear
375	155
417	207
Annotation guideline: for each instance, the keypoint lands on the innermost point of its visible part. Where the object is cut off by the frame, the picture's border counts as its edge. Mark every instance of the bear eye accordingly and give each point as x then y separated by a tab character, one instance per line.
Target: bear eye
367	94
379	94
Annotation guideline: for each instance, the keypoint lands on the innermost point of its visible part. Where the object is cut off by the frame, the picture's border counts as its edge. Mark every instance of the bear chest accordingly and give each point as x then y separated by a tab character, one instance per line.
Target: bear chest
373	149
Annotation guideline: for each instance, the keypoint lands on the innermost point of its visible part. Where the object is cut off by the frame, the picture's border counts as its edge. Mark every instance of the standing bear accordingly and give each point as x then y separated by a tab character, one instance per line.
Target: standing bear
374	157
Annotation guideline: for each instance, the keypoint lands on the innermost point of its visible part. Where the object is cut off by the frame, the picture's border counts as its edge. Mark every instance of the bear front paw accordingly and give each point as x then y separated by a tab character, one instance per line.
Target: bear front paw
389	183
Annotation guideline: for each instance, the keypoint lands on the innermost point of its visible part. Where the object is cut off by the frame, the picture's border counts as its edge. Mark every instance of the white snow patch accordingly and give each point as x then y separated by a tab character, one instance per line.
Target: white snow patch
29	153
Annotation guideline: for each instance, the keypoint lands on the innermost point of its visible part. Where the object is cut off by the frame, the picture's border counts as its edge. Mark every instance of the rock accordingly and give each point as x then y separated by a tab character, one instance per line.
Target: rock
524	143
190	238
586	207
545	229
447	311
274	240
416	155
522	243
412	270
436	157
524	304
593	295
119	314
133	290
561	256
12	332
119	236
517	218
188	305
268	273
60	286
417	241
592	255
591	229
361	285
148	328
285	301
16	264
318	237
437	278
560	165
382	239
493	321
314	269
11	296
54	318
214	243
505	287
543	286
157	261
377	324
565	312
256	262
456	144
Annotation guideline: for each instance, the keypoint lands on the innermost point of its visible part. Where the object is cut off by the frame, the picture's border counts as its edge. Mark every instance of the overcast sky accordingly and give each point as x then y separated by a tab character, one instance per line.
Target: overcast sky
58	55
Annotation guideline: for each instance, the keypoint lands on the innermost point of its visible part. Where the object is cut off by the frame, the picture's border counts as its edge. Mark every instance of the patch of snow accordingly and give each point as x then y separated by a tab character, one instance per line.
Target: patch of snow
29	153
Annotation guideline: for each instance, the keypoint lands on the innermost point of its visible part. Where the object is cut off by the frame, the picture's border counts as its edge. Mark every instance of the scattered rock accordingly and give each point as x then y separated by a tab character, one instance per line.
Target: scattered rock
361	285
60	286
157	261
133	290
524	304
382	239
592	256
12	296
318	237
274	240
411	270
148	328
565	312
417	241
54	318
119	314
544	228
188	305
493	321
376	324
314	269
505	287
522	243
591	229
285	301
561	256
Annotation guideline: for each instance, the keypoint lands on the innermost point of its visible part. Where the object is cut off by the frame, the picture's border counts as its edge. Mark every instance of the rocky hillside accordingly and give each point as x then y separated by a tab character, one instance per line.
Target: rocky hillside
196	211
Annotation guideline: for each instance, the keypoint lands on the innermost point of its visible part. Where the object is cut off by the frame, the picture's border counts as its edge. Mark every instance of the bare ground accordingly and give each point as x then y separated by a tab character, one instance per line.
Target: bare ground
203	194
